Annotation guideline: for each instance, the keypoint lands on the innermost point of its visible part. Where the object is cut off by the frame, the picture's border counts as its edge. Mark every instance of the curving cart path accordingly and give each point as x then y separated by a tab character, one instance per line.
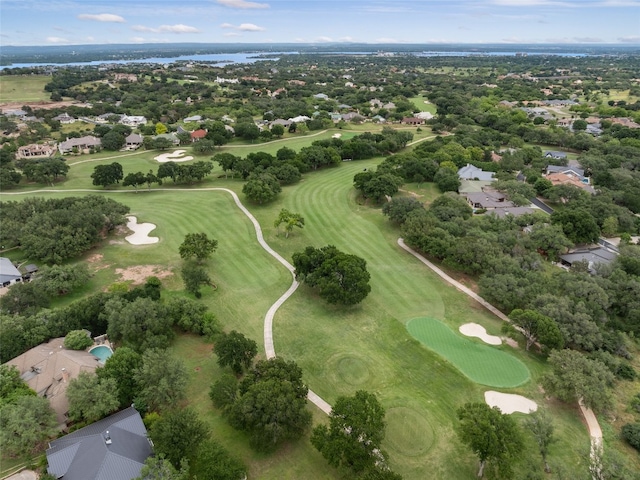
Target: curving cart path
268	319
595	432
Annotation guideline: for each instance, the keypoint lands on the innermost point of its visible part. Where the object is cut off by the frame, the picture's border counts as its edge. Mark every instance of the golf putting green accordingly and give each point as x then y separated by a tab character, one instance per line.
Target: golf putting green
481	363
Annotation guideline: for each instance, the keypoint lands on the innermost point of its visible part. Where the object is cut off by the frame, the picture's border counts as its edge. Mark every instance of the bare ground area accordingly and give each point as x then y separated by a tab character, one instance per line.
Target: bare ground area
139	273
38	105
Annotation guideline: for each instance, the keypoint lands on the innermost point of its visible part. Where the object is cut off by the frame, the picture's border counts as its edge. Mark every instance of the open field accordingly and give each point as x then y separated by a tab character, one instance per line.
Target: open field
27	88
339	349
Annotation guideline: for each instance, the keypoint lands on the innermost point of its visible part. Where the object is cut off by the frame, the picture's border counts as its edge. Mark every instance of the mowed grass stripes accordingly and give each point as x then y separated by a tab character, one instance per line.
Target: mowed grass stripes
481	363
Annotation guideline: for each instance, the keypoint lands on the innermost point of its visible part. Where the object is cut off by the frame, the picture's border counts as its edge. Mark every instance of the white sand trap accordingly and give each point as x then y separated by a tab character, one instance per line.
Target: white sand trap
509	403
140	232
475	330
176	156
336	135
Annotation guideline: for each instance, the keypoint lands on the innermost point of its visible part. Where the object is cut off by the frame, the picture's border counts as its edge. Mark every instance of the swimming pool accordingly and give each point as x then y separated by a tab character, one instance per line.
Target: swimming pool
101	352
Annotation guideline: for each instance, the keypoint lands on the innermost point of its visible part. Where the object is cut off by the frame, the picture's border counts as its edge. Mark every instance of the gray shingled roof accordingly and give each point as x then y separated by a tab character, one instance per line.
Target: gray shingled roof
85	454
8	272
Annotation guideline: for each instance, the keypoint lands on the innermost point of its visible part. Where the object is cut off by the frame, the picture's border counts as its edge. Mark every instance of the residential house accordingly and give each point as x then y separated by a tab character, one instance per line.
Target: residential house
561	103
64	118
555	155
133	120
281	121
15	113
9	274
36	150
378	119
194	118
625	122
424	115
79	144
226	80
229	128
299	119
560	178
172	137
133	141
488	200
413	121
227	119
130	77
48	369
198	135
471	172
321	96
114	448
574	171
351	117
592	256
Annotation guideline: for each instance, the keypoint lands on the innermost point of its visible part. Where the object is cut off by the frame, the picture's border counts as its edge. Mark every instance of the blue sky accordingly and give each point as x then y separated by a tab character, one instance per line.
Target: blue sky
60	22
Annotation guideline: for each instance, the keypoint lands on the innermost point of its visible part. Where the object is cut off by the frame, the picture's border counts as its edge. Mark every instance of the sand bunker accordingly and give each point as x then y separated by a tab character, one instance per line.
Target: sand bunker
336	135
509	403
140	232
475	330
176	156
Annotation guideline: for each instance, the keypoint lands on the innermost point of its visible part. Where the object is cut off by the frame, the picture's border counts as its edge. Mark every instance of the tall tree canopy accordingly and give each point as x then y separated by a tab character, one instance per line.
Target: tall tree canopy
342	278
197	245
493	436
353	438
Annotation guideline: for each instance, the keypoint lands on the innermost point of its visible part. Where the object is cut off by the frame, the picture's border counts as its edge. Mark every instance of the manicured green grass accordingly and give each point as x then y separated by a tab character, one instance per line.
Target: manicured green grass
27	88
481	363
339	349
421	106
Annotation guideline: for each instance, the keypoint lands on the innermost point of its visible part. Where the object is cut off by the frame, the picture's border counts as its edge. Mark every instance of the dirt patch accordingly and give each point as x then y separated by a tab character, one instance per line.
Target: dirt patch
42	104
95	258
412	194
511	342
138	274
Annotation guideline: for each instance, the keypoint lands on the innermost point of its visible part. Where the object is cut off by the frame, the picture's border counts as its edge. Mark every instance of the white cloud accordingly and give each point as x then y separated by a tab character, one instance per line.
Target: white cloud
243	4
137	39
57	40
179	28
102	17
244	27
588	39
347	39
91	39
232	34
324	39
387	40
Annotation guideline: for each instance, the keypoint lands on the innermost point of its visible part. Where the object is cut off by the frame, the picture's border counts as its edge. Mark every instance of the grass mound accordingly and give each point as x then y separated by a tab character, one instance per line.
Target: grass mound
408	432
481	363
353	370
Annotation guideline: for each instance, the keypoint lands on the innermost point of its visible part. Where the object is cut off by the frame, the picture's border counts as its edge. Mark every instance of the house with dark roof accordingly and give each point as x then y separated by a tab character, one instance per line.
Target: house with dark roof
114	448
488	200
9	274
592	256
412	121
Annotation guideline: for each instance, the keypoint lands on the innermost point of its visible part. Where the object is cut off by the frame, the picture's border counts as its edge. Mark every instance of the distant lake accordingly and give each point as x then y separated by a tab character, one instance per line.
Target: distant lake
220	59
224	59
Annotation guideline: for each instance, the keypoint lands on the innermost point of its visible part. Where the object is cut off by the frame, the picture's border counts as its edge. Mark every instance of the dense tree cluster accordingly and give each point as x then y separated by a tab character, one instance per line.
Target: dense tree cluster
54	230
342	278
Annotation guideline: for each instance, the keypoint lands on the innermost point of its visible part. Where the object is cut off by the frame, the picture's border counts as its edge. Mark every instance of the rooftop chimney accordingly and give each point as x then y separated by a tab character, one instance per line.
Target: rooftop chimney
65	375
107	438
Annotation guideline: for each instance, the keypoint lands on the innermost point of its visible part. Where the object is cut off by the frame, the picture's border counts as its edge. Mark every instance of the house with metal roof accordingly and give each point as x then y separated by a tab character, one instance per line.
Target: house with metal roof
471	172
114	448
9	274
592	256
